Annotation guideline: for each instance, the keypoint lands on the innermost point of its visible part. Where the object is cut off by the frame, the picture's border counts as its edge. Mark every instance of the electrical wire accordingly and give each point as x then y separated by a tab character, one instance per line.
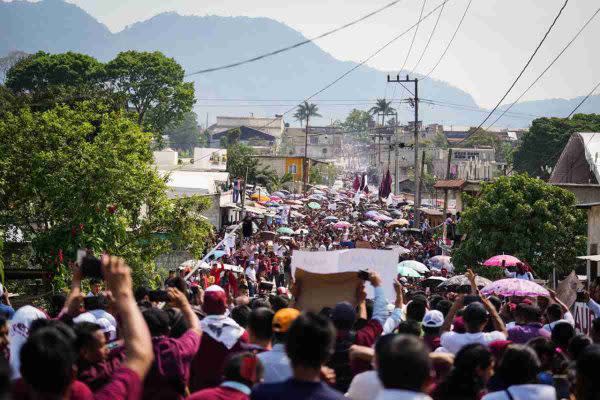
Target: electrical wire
584	100
295	45
410	48
450	42
547	68
522	70
428	40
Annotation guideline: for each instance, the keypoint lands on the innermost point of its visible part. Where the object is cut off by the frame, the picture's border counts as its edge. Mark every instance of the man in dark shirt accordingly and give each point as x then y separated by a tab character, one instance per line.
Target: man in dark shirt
309	345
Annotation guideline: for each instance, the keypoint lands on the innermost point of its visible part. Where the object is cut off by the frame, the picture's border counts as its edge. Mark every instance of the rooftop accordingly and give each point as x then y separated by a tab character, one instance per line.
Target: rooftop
450	184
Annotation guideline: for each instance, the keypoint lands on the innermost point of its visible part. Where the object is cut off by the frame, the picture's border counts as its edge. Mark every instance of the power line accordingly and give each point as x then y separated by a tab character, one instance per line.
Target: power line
450	42
548	67
372	55
295	45
428	40
523	69
584	100
412	42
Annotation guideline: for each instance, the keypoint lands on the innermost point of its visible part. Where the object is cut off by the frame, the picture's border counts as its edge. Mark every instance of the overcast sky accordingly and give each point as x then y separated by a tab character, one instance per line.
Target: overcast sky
491	47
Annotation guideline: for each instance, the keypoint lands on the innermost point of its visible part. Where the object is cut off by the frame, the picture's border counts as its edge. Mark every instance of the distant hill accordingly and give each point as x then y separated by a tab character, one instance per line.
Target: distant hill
200	42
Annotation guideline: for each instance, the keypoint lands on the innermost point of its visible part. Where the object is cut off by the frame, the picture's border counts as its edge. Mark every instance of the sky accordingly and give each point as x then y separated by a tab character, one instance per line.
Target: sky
494	42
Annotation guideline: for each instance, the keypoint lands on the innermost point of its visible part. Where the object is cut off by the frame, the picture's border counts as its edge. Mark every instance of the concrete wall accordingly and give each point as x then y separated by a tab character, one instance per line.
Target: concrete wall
593	240
207	158
165	158
585	193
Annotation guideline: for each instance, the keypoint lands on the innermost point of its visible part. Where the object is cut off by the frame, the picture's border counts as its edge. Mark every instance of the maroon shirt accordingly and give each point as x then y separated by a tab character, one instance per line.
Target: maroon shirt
97	375
124	385
366	336
432	341
170	370
207	366
219	393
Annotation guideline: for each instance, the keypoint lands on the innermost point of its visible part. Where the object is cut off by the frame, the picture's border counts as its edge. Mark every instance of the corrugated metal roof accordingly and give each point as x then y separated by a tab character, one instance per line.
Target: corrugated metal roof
450	184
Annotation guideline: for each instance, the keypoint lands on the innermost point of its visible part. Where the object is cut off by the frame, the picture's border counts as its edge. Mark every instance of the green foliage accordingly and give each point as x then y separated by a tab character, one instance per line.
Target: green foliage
42	70
186	135
440	141
383	107
240	161
152	84
357	122
541	147
322	174
272	181
306	111
231	137
81	177
527	218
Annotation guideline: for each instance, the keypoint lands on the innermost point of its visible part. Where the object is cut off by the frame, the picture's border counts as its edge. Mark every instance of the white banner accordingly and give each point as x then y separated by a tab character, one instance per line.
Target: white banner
384	262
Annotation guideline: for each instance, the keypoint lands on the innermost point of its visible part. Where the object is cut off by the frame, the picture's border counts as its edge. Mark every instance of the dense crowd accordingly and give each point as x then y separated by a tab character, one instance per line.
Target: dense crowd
235	333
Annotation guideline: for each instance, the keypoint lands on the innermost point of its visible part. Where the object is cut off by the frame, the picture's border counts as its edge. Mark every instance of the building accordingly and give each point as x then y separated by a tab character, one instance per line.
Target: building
272	126
593	238
246	135
190	179
210	159
467	163
285	164
324	142
578	167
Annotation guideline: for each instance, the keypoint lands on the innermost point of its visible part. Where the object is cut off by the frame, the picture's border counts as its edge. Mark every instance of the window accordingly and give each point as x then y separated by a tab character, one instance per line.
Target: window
314	139
292	169
324	151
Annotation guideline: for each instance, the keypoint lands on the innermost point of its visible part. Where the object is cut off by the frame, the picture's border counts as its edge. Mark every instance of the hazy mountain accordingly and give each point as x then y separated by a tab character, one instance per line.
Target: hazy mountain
201	42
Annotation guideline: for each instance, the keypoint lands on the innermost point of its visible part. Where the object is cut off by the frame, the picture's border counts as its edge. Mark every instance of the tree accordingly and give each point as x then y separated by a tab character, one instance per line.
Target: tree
45	80
186	134
307	111
152	85
440	141
74	178
542	145
300	115
383	107
527	218
272	181
240	161
357	123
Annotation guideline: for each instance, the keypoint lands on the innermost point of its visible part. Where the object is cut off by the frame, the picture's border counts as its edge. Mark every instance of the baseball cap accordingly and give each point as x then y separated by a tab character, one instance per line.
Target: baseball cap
282	320
433	319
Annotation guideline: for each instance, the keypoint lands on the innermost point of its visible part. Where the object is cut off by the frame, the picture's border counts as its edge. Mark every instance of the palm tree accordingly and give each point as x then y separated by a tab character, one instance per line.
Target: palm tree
300	116
307	111
272	181
383	107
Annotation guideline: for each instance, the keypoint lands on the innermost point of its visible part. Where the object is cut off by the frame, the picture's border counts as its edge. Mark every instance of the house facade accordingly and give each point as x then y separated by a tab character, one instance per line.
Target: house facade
324	142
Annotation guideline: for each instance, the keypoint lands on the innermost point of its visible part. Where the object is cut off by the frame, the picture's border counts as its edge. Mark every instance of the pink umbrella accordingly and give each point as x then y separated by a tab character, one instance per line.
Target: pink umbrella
514	287
276	198
342	225
503	260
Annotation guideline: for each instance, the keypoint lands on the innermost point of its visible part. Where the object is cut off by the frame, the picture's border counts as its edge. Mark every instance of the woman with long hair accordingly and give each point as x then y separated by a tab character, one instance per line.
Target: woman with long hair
473	367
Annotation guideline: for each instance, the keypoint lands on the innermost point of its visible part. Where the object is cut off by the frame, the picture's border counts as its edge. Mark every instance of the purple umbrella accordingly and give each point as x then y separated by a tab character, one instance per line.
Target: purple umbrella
515	287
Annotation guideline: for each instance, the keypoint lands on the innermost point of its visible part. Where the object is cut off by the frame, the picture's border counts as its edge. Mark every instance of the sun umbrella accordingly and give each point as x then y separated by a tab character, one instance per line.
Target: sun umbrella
397	222
460	280
331	218
439	262
408	272
271	204
342	225
284	230
285	238
515	287
417	266
314	206
302	231
218	253
279	194
396	213
260	198
296	214
295	202
503	260
372	224
381	217
276	198
433	281
371	214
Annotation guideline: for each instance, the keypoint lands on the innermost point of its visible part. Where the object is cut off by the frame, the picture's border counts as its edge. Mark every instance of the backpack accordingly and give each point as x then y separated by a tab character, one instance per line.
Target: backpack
340	361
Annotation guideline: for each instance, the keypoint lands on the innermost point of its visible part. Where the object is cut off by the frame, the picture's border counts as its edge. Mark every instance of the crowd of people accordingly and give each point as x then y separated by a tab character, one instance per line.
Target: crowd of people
236	333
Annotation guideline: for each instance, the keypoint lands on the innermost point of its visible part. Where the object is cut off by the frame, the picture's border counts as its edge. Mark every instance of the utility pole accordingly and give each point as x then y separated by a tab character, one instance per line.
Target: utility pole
305	163
447	178
416	145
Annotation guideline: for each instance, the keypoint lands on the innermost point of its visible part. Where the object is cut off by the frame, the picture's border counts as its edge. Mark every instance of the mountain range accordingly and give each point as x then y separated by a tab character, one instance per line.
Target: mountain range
279	82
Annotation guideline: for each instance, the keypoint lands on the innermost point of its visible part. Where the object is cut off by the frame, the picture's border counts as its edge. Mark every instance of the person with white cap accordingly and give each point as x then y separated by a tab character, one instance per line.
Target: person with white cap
221	337
432	325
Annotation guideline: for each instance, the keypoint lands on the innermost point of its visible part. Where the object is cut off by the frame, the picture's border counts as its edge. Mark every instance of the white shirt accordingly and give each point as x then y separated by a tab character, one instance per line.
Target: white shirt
524	392
568	318
322	247
251	274
396	394
364	386
276	364
453	341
